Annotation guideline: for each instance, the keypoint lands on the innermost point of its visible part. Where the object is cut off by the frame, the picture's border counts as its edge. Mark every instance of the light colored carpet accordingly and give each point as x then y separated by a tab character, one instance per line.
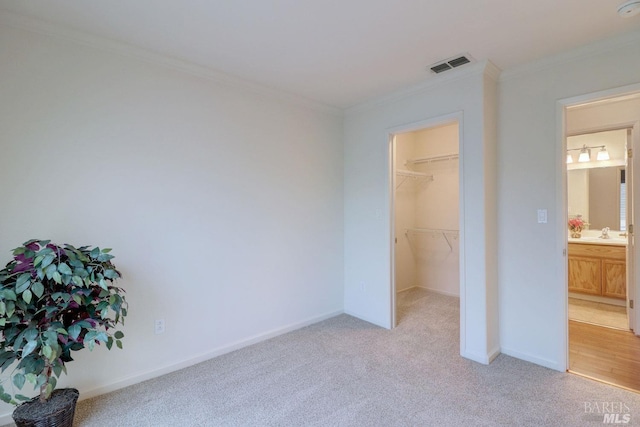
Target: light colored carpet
346	372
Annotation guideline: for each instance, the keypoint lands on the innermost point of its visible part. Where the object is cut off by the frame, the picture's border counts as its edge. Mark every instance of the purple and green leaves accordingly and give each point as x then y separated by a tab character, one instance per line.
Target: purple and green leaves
54	300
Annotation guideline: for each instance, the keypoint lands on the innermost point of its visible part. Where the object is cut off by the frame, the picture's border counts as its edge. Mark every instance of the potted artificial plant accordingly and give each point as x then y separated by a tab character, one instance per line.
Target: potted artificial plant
54	300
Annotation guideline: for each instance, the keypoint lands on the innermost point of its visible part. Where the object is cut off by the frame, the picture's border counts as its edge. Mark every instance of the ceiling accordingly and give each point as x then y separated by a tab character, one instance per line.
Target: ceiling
338	52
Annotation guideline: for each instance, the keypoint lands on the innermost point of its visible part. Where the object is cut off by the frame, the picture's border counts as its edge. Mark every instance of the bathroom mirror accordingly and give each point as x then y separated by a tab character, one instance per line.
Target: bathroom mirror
596	188
599	195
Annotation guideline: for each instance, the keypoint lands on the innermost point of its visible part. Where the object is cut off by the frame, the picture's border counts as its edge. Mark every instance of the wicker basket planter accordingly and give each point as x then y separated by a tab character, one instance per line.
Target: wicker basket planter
58	411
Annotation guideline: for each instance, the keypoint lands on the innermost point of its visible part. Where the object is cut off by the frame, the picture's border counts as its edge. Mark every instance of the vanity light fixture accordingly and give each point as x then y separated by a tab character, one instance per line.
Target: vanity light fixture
585	153
603	154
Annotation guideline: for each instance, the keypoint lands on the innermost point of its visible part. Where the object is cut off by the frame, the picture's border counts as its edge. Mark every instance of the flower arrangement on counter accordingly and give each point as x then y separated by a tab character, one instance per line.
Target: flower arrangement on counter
576	225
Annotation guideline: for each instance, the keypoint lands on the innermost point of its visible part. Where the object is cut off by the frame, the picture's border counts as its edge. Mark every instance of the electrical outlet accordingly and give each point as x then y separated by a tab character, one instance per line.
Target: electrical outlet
159	326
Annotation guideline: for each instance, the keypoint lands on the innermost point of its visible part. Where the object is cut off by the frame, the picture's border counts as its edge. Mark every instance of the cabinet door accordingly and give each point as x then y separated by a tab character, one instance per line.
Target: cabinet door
585	275
614	279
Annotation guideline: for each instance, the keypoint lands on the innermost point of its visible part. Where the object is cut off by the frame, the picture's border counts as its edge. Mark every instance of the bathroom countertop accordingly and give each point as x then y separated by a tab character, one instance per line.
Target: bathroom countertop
592	237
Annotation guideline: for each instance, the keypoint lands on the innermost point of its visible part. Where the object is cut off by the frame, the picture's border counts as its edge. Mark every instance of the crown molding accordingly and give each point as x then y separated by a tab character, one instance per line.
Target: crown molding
104	44
485	67
492	70
586	51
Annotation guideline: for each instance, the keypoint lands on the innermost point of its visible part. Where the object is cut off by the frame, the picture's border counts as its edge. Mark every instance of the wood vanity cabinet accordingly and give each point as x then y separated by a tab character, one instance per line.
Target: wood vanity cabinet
598	270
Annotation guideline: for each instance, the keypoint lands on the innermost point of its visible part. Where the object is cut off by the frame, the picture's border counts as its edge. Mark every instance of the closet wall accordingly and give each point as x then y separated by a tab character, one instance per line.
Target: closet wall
426	211
405	212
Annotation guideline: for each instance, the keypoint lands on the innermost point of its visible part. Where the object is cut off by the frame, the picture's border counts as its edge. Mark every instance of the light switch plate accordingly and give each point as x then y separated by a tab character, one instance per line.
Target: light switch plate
542	216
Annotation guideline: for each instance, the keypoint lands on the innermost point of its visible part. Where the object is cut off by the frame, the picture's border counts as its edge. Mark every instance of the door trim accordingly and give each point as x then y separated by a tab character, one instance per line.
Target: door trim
561	193
446	119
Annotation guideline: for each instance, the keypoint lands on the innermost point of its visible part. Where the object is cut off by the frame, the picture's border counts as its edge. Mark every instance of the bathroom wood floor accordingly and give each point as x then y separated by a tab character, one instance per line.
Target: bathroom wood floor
598	313
606	354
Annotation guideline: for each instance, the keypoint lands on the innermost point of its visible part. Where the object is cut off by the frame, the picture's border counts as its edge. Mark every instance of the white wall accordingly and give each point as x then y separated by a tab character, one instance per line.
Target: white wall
531	264
578	193
437	205
602	115
224	207
367	201
405	213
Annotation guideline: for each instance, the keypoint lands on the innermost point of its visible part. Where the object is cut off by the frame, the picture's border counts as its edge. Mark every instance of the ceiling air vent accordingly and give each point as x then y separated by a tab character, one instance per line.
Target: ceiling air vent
451	63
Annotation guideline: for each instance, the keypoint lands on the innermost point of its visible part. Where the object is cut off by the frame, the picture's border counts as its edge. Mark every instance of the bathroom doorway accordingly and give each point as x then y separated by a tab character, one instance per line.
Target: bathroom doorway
426	192
597	204
601	136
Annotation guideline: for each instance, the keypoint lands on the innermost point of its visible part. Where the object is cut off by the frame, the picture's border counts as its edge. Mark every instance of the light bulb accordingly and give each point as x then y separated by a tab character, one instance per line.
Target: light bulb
603	154
584	156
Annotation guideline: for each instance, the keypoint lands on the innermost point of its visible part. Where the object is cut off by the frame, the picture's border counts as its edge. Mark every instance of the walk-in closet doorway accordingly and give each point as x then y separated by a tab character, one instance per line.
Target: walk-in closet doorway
426	213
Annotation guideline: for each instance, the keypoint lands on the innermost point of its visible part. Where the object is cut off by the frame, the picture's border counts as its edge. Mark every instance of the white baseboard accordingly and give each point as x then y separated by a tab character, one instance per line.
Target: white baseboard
87	394
366	319
551	364
485	359
437	291
493	354
6	420
441	292
144	376
596	298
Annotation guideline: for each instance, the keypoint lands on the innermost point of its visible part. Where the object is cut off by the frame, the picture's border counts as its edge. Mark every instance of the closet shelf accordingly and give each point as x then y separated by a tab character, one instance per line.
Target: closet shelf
431	159
413	174
406	174
446	234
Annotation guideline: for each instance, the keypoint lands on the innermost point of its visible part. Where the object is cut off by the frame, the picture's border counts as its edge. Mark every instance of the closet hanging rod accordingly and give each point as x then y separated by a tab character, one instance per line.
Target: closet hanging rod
431	230
429	159
444	233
